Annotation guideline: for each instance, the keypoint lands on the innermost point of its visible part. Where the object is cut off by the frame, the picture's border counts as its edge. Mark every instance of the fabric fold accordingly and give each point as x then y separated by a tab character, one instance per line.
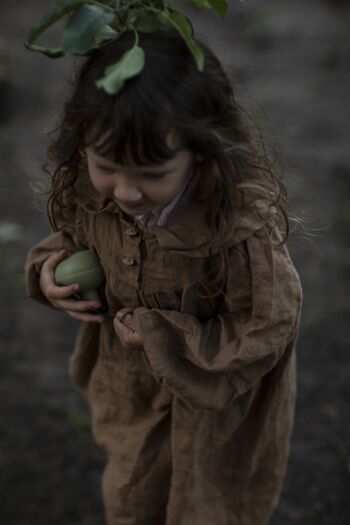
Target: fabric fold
230	353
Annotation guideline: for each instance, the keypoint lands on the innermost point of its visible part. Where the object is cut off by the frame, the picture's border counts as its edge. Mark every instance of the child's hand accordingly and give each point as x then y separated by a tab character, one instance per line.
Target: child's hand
61	297
124	327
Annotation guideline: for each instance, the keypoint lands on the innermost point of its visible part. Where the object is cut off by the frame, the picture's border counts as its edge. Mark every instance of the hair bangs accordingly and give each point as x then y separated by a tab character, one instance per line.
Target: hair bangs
130	132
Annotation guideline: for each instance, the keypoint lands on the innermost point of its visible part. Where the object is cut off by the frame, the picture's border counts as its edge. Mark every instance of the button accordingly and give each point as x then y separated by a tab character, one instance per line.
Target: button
129	261
131	232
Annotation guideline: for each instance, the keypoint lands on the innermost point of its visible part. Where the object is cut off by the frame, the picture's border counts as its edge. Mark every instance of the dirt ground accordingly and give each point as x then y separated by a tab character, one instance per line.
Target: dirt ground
291	63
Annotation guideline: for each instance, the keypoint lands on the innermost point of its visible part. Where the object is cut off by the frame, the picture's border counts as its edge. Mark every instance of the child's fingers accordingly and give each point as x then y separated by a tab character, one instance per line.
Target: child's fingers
121	314
52	261
90	318
55	292
127	336
127	320
47	273
122	330
77	306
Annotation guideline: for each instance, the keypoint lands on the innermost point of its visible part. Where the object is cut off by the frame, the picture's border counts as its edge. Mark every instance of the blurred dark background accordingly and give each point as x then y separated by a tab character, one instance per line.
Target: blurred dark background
291	64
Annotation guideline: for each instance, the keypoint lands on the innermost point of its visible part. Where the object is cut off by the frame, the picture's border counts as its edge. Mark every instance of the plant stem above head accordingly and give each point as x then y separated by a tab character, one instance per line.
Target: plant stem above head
105	6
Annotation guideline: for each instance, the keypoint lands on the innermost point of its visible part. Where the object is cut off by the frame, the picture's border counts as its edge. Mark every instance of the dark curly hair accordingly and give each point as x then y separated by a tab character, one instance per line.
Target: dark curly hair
131	126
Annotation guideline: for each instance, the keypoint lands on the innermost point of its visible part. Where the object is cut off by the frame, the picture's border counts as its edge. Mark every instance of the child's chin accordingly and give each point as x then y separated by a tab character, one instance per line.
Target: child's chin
141	210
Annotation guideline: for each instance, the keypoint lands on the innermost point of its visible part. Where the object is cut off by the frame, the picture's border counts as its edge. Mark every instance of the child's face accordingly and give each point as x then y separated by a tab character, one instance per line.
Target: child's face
136	189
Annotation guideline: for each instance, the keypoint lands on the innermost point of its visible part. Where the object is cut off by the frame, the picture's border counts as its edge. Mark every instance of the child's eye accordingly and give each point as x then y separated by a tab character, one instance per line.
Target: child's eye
154	175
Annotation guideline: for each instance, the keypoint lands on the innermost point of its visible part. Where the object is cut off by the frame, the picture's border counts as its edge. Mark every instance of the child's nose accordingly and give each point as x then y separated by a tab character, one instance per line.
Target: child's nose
127	193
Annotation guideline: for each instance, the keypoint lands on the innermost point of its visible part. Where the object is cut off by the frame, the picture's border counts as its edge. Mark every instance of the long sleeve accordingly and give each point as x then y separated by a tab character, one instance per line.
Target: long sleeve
70	236
209	364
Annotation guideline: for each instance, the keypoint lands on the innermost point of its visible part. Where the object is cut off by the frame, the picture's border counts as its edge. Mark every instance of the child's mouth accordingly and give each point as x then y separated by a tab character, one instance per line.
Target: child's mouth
132	207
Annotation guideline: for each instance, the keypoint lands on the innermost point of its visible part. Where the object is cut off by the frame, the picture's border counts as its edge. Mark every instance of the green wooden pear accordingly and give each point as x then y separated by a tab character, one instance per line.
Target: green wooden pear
83	268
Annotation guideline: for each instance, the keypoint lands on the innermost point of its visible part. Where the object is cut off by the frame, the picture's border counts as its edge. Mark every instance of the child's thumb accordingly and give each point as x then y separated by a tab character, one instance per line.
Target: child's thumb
121	313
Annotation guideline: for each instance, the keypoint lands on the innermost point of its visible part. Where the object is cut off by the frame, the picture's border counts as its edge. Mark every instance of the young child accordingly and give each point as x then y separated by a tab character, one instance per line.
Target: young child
191	374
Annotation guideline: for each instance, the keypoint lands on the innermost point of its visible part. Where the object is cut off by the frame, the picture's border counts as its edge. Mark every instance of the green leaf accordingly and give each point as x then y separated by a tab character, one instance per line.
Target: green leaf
109	3
69	3
51	52
67	7
146	21
219	6
82	28
107	33
129	66
184	26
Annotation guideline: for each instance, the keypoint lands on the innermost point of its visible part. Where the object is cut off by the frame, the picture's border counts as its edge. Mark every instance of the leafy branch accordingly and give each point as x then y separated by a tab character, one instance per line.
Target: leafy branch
91	23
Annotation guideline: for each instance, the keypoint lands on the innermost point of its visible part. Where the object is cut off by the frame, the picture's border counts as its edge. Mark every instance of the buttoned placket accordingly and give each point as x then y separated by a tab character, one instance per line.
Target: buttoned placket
131	258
